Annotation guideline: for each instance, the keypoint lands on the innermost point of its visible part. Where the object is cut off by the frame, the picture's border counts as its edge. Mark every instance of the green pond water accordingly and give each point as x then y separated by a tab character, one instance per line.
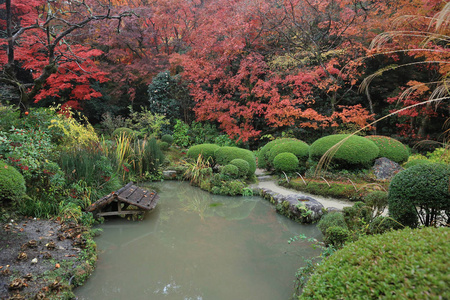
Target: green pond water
195	245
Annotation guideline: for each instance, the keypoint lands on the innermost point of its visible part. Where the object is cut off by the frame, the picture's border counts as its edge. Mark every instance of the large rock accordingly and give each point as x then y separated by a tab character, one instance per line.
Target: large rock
298	207
385	168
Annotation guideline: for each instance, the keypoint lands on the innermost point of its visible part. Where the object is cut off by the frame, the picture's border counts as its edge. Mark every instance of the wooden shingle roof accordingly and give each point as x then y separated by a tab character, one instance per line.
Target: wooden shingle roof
131	194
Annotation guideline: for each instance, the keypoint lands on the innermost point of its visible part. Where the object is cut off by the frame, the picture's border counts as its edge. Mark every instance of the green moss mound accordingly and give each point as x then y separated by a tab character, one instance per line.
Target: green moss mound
242	165
123	131
390	148
423	187
298	148
263	159
285	162
224	155
355	152
405	264
12	183
167	138
206	150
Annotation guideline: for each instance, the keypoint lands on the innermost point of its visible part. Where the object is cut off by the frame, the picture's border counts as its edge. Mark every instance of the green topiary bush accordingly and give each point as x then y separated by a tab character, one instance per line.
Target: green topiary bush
414	162
12	183
263	159
422	190
285	162
298	148
224	155
125	131
206	150
355	152
404	264
230	170
390	148
164	146
167	138
331	219
242	165
337	236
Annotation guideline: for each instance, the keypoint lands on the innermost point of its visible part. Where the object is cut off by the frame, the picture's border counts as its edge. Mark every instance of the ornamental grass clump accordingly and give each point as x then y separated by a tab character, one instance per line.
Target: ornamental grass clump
390	148
403	264
420	195
353	153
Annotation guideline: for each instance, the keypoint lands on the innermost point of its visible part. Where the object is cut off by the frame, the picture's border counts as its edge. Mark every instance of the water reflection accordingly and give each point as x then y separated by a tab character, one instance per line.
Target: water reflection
199	246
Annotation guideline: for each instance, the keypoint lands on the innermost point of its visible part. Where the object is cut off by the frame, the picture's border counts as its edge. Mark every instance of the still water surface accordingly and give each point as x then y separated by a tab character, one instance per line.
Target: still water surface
198	246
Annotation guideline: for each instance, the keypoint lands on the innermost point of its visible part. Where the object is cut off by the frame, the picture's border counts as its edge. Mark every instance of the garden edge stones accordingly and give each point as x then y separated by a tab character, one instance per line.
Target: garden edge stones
298	207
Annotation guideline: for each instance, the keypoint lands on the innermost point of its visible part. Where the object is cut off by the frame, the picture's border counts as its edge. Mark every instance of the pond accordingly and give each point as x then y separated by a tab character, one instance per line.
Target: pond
195	245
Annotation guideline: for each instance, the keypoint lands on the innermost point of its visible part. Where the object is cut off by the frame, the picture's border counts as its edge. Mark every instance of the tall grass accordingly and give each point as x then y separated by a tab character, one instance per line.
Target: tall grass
89	172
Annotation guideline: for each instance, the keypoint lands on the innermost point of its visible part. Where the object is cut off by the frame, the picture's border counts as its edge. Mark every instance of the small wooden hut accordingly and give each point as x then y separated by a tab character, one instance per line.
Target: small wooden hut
129	200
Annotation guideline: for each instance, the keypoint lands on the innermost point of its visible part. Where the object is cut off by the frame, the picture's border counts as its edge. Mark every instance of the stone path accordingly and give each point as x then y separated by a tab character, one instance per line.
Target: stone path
267	182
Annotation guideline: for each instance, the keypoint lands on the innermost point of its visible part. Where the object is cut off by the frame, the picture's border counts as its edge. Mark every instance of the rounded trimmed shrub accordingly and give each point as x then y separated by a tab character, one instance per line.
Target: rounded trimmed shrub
206	150
390	148
12	183
331	219
230	170
286	162
262	154
167	138
163	145
404	264
298	148
242	165
224	155
356	151
337	236
415	162
424	187
123	130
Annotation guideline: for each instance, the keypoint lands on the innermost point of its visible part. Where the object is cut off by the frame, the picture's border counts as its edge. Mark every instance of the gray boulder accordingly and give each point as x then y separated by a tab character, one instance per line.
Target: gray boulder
385	168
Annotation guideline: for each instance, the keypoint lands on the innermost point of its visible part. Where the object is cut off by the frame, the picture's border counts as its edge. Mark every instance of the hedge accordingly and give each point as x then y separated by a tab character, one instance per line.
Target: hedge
404	264
390	148
12	183
424	186
206	150
356	151
224	155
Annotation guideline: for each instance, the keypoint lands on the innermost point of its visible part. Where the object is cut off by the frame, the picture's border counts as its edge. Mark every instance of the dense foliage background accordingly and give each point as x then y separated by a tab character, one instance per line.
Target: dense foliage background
252	69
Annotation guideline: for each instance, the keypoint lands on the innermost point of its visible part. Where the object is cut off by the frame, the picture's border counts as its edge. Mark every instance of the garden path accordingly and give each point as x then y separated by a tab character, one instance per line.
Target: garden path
268	182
